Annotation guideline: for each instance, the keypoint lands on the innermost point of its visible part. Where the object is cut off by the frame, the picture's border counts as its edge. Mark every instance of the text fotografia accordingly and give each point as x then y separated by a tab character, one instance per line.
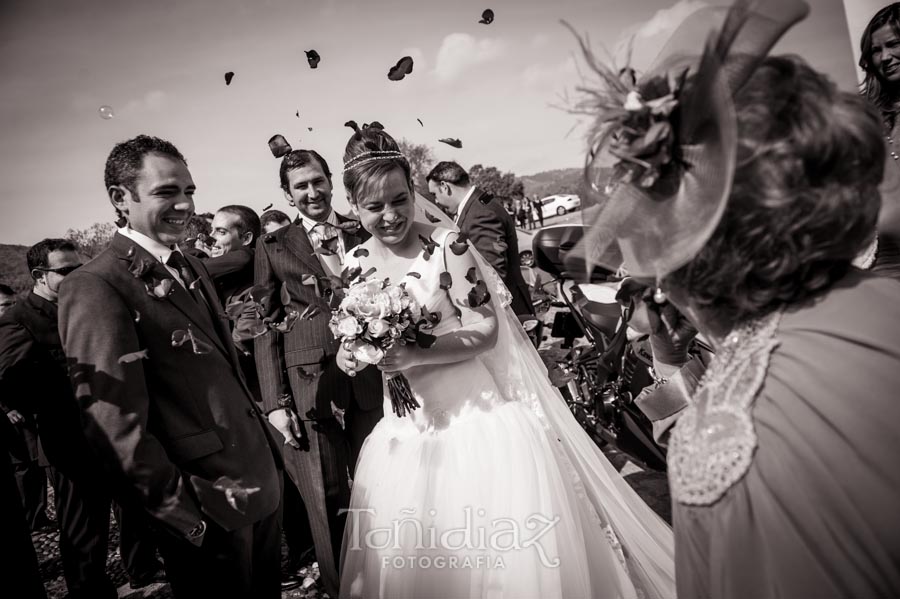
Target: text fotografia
450	562
499	536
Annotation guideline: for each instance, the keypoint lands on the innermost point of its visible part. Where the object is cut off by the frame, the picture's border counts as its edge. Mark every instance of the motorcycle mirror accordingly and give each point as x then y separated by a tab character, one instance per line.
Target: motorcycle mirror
529	325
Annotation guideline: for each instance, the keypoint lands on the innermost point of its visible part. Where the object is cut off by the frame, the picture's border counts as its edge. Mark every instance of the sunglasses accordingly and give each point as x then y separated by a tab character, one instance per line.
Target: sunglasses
61	271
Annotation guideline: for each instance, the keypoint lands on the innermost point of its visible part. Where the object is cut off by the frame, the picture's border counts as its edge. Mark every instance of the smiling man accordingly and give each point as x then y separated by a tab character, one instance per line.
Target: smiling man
235	230
297	371
160	388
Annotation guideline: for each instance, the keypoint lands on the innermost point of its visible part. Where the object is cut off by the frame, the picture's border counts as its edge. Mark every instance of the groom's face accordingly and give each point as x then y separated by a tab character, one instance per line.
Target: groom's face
162	201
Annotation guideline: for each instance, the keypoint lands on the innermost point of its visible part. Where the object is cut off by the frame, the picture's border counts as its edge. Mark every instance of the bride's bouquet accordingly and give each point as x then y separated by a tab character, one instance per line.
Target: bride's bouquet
372	317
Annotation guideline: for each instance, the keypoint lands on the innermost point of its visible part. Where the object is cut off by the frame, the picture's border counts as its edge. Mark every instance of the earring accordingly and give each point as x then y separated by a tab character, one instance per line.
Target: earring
121	221
659	296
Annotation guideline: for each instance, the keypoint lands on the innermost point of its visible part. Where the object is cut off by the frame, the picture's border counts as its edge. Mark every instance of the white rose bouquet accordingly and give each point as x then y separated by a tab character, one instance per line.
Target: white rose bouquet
374	315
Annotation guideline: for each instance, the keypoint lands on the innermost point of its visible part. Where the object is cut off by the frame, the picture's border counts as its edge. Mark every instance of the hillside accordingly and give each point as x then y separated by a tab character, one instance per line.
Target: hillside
564	180
13	269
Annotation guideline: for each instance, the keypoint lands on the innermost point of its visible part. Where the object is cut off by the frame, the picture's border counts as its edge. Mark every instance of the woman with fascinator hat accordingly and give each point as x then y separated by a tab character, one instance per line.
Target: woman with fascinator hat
489	488
745	188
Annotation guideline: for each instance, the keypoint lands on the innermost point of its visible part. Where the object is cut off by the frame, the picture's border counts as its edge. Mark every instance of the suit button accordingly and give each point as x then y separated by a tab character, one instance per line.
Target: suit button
251	412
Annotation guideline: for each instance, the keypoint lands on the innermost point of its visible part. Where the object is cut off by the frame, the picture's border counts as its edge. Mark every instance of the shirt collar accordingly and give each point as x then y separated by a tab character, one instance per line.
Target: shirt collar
156	249
309	223
462	204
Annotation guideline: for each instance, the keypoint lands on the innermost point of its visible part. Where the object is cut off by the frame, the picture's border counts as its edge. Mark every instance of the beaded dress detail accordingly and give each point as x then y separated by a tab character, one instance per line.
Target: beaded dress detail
713	443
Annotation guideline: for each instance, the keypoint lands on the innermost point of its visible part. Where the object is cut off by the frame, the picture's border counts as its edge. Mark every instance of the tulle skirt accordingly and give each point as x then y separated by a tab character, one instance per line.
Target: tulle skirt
469	498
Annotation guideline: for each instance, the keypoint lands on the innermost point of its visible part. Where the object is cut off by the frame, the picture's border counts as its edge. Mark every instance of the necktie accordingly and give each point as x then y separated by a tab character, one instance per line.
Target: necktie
188	277
323	232
320	234
178	262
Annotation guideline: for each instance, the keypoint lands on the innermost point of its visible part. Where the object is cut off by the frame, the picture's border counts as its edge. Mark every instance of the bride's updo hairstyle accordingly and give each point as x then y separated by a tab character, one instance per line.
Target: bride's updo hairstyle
805	197
369	156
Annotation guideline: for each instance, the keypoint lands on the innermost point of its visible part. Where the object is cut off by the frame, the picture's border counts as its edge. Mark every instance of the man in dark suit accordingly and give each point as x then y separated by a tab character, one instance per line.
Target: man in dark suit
235	231
489	227
158	382
297	370
34	383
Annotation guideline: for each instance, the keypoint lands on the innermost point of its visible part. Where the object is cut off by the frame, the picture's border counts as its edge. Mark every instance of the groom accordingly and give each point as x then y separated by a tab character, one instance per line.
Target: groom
302	387
162	398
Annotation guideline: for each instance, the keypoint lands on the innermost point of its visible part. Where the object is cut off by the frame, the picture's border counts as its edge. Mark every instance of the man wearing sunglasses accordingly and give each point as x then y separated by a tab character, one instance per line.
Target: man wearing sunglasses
37	397
49	261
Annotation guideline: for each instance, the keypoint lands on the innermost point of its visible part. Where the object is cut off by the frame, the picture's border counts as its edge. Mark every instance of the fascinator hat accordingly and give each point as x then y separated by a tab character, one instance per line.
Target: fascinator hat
671	137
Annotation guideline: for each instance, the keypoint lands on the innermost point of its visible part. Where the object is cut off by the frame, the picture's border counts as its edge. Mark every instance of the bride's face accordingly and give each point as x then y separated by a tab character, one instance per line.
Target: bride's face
386	207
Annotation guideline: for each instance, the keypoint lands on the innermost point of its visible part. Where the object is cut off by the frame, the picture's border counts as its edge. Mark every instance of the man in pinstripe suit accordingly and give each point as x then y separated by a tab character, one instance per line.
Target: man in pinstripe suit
301	384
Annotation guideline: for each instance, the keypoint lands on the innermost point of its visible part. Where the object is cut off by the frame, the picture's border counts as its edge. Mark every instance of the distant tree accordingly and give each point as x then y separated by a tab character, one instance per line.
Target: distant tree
502	186
14	268
94	239
421	159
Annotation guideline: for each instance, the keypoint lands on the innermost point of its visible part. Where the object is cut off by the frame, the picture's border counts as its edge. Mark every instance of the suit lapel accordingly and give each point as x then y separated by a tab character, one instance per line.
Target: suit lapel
297	241
180	297
195	311
209	291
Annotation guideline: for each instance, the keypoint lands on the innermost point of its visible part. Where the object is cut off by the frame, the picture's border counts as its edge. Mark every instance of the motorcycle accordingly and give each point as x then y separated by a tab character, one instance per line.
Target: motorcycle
602	376
540	298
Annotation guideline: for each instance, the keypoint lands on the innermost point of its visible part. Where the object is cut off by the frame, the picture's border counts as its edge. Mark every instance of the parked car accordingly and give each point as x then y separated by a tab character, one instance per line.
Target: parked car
560	204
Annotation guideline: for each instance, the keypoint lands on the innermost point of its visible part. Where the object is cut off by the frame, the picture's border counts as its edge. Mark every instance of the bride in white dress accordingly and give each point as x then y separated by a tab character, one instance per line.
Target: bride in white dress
490	488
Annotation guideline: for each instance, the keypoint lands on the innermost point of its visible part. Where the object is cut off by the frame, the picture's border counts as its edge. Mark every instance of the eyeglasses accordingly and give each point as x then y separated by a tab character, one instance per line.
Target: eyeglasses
62	270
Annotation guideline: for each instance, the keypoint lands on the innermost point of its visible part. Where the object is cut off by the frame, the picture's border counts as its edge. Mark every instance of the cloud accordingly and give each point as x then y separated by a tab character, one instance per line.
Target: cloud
648	38
152	101
540	40
460	51
550	76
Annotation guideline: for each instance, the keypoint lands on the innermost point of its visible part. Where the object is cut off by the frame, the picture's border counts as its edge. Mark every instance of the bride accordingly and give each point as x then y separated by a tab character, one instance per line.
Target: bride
490	488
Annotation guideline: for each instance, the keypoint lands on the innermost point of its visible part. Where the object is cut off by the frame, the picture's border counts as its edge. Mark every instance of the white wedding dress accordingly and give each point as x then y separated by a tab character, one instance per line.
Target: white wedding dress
491	489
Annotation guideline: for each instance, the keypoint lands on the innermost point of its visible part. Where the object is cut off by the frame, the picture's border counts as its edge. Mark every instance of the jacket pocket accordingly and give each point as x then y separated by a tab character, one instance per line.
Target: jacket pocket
303	357
192	447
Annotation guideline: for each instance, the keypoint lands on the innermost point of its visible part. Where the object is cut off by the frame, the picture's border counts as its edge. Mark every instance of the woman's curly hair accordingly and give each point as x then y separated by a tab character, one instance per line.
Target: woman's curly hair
805	196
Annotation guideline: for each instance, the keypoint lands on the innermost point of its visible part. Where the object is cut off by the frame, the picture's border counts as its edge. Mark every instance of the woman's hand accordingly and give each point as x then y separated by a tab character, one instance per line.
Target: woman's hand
345	359
670	333
400	357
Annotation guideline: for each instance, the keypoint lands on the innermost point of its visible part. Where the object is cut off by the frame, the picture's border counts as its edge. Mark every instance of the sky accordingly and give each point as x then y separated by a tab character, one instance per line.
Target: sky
502	89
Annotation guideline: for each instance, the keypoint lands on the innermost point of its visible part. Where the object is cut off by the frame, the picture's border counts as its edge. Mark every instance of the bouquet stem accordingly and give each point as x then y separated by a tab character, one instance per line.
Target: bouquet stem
402	399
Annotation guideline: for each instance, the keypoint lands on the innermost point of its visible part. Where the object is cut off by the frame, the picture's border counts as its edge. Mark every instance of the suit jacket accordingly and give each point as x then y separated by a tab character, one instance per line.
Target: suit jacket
34	382
284	257
232	273
493	233
179	425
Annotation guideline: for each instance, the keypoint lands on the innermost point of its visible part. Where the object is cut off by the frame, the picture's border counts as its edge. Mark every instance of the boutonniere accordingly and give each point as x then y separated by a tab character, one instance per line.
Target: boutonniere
141	268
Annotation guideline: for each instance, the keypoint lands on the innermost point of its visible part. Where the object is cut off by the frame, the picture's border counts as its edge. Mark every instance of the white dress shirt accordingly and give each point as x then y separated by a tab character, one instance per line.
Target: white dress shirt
459	209
157	250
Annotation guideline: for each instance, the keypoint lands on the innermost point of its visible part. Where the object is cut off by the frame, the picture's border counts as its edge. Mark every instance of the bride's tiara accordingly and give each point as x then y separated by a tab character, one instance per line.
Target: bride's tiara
372	156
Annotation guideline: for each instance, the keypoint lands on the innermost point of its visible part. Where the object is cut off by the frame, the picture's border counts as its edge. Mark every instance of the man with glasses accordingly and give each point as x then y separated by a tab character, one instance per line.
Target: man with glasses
37	397
24	351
